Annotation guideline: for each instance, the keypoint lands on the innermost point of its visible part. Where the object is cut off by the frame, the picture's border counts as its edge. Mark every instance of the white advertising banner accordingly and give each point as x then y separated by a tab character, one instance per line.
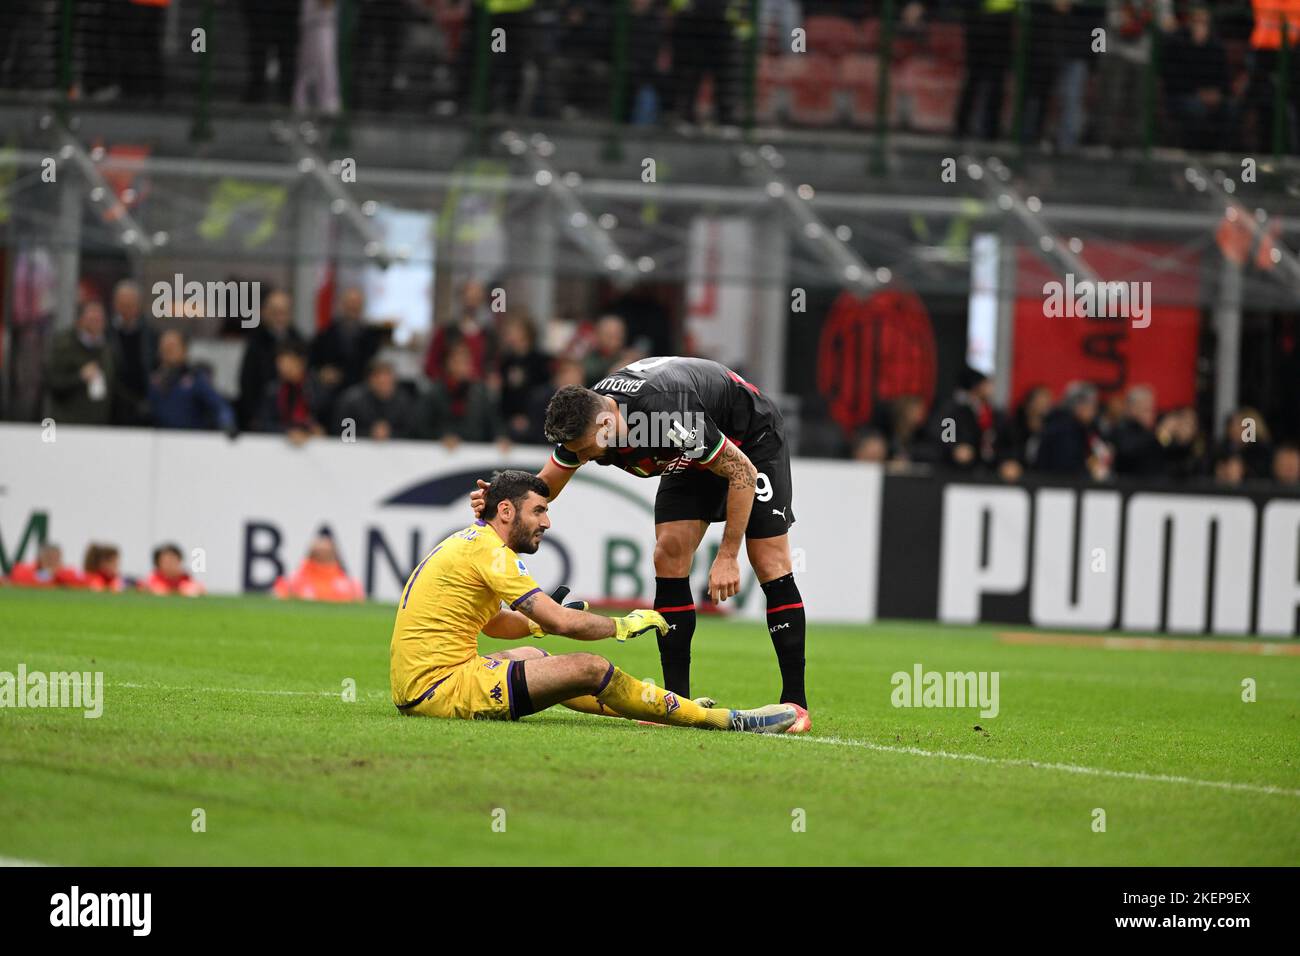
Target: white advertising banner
254	503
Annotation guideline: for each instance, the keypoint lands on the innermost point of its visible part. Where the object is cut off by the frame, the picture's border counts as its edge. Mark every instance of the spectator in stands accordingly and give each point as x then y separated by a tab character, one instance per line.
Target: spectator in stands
1128	52
1024	431
524	370
902	422
1286	465
291	402
1247	434
181	396
458	407
258	367
316	87
1180	434
134	351
644	81
271	28
468	327
872	447
1229	469
80	374
989	30
1069	445
703	45
168	575
1266	50
1198	87
967	424
101	568
377	408
47	571
141	25
342	351
381	28
606	349
509	67
568	371
320	577
1138	452
1060	52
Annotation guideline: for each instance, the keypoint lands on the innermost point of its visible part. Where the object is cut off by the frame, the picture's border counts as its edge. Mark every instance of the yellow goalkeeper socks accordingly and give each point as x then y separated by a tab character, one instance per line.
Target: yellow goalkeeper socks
589	705
636	699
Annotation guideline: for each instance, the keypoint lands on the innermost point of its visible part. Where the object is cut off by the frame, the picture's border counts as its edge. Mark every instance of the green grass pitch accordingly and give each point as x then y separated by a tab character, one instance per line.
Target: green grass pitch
235	706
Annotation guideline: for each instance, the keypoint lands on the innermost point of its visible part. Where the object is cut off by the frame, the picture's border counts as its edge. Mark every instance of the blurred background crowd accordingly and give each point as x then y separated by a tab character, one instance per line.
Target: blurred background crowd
985	69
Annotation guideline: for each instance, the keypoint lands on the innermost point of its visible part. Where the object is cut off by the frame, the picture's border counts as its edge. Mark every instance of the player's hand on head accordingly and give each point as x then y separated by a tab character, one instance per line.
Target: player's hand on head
639	622
477	498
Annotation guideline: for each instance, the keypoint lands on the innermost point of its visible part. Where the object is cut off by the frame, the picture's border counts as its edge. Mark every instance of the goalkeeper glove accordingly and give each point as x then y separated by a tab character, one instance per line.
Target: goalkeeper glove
637	623
558	596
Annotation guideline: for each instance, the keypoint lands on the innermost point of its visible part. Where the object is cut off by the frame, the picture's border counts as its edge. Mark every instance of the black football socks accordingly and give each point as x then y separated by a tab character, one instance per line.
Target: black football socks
674	601
786	625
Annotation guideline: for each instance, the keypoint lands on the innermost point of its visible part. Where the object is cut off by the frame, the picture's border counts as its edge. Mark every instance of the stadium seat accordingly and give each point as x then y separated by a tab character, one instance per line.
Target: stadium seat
870	36
768	105
830	36
859	81
947	43
811	82
931	88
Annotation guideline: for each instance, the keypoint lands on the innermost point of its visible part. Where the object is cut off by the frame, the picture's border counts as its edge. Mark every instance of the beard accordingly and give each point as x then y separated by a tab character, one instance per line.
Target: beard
524	541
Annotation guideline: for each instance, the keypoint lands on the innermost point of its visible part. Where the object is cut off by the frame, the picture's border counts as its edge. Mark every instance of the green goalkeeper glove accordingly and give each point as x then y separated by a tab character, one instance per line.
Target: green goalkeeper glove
637	623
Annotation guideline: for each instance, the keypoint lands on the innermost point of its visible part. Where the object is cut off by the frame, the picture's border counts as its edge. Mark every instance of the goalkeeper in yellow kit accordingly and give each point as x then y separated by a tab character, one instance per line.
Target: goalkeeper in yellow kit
457	591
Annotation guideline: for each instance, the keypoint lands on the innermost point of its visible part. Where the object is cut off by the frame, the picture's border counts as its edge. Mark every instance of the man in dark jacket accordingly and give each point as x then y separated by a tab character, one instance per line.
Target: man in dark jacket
1198	84
341	352
134	353
376	408
1070	446
458	408
79	375
181	396
257	369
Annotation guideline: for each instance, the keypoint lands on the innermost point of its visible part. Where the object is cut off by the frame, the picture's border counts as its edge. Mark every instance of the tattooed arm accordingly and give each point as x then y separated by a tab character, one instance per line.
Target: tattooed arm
558	619
742	477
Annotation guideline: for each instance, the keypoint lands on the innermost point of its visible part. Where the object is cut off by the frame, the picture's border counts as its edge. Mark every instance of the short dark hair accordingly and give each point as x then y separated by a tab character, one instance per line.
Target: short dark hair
512	486
571	413
162	549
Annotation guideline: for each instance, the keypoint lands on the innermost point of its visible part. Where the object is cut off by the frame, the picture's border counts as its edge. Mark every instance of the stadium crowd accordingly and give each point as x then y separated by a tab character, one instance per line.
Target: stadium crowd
1080	434
952	64
485	378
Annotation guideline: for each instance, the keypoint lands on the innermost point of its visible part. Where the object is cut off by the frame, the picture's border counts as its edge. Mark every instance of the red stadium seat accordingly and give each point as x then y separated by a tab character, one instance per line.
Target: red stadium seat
859	78
870	36
931	88
831	36
947	42
811	81
767	106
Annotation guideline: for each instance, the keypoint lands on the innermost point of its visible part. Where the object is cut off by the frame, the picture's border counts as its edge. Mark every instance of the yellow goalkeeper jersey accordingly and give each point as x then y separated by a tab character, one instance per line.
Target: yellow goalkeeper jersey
449	597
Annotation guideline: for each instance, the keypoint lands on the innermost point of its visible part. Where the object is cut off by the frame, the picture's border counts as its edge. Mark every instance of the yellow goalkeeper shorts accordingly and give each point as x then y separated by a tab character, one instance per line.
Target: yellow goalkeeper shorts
476	690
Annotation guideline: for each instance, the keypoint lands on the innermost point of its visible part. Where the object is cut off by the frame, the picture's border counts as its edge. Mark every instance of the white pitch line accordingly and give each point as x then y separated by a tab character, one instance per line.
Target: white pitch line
14	861
1045	765
239	690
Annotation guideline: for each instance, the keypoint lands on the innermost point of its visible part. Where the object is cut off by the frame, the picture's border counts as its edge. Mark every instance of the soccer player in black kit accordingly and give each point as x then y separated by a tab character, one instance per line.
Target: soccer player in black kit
716	443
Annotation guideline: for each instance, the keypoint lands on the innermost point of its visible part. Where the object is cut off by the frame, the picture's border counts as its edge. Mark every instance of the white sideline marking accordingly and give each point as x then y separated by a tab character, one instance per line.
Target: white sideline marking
14	861
242	690
1045	765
